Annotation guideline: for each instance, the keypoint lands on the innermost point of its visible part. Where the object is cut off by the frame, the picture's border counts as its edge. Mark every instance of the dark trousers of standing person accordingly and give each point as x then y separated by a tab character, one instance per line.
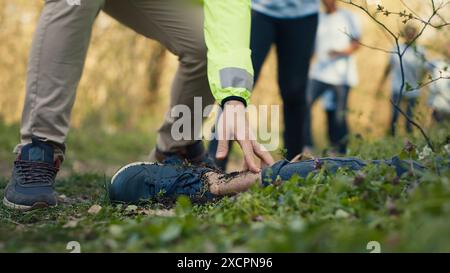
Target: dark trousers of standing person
294	40
338	120
332	126
410	105
440	116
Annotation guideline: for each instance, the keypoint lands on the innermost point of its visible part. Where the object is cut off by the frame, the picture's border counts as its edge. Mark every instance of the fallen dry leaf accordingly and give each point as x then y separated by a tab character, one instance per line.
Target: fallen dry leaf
131	208
71	224
94	209
159	212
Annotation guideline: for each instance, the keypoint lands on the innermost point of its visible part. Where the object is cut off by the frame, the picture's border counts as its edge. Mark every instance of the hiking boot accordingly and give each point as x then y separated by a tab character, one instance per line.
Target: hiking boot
33	176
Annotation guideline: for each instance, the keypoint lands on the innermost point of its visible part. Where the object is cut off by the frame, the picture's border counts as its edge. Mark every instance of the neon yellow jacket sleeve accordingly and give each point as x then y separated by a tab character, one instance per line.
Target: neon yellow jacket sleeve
227	36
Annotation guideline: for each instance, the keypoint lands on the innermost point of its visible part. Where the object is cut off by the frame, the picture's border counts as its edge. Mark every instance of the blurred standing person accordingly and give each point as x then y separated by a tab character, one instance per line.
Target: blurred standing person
328	101
413	71
291	26
439	98
329	105
337	40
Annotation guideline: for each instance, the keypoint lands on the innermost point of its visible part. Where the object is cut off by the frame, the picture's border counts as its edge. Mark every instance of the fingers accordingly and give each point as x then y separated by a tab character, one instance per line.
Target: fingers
247	149
266	157
222	149
234	123
222	136
245	167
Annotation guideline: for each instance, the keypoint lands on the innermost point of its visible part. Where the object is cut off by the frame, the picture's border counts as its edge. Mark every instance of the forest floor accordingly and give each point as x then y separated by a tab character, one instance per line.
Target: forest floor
324	213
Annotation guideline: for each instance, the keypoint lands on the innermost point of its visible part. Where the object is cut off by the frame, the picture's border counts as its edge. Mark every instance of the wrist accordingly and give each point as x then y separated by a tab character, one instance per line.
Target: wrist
234	100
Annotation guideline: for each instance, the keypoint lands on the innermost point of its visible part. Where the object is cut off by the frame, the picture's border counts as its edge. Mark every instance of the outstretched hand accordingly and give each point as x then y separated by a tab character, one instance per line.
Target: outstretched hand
233	125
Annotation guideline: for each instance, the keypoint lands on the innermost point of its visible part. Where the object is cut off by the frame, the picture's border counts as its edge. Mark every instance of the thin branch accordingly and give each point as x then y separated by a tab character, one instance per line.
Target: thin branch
442	19
368	46
410	9
415	16
419	34
408	119
370	15
422	85
400	52
408	45
375	48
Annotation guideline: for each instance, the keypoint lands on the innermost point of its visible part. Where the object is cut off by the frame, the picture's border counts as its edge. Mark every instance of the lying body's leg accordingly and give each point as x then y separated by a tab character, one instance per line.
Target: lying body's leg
220	184
149	181
284	170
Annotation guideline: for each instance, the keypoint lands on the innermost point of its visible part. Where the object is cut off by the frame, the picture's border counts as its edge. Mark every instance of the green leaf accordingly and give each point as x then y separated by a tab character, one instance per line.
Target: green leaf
170	233
408	87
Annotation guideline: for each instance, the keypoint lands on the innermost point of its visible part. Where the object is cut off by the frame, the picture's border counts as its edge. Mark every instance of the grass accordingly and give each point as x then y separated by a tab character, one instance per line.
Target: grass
88	149
327	213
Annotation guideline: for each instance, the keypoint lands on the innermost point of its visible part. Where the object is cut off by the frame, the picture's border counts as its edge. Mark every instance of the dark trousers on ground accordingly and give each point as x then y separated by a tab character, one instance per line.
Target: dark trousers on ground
294	39
337	120
410	105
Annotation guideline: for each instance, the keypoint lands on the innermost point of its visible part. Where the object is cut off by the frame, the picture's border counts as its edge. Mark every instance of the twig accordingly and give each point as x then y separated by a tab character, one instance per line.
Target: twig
400	52
369	46
427	139
429	82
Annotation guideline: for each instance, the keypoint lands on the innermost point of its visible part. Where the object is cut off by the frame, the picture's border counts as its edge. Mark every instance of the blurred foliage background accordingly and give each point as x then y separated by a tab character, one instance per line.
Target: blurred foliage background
127	78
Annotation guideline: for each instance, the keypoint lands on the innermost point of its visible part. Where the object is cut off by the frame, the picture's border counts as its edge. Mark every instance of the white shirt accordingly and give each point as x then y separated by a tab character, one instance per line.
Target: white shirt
439	97
286	9
413	68
335	32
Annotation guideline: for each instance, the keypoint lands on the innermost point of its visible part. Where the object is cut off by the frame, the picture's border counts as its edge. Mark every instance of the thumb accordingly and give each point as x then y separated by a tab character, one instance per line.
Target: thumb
222	149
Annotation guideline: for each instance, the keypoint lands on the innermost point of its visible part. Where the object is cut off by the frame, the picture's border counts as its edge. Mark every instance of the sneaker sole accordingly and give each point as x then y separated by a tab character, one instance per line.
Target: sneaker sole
128	166
37	205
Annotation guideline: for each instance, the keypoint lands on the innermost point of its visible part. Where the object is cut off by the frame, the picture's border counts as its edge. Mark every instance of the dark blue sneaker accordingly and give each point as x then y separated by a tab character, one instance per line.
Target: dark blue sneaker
33	176
144	181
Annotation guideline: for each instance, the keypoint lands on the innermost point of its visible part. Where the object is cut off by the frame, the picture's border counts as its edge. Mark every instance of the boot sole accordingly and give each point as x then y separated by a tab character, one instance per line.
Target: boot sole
37	205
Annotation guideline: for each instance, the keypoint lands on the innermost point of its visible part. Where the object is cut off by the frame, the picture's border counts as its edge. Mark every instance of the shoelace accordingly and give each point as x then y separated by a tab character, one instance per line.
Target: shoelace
32	172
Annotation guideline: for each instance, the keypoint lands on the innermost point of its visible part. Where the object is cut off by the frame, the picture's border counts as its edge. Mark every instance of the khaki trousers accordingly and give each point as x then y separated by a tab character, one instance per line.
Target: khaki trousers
59	49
